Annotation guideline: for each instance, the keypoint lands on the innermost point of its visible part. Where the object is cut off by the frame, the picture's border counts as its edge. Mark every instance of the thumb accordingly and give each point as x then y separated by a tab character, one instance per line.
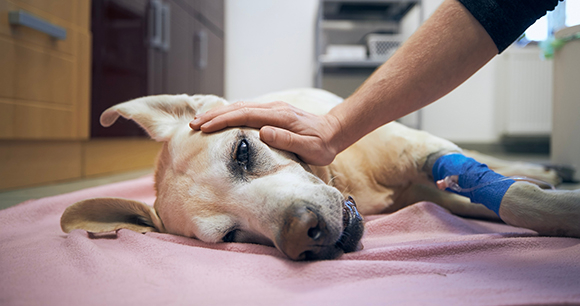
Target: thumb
295	143
279	138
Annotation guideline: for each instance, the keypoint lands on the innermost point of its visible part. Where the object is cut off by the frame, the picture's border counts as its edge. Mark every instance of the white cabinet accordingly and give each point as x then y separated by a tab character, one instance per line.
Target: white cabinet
354	37
345	27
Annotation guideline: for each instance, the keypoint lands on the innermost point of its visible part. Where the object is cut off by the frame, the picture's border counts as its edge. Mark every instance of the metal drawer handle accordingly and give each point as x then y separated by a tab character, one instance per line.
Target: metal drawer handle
23	18
160	25
203	41
166	17
156	27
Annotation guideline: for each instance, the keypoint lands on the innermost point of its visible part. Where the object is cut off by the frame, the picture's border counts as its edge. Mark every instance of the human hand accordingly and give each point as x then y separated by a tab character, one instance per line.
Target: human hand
282	126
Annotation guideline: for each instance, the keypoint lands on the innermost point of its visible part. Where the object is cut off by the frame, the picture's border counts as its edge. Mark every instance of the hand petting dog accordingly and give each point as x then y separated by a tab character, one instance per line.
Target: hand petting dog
282	126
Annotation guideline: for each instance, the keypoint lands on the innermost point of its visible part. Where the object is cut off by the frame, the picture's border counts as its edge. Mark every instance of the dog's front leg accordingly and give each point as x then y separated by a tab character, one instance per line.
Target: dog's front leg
548	212
518	203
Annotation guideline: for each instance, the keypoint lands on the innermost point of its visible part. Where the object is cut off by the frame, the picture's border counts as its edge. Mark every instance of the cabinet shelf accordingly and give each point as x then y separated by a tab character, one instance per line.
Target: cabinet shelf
392	10
360	23
344	26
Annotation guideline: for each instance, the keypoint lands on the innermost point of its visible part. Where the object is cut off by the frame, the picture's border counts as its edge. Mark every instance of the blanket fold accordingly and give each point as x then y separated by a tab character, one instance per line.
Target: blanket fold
421	254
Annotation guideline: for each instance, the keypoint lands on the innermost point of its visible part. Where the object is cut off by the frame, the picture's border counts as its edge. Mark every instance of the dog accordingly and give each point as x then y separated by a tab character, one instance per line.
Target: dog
229	186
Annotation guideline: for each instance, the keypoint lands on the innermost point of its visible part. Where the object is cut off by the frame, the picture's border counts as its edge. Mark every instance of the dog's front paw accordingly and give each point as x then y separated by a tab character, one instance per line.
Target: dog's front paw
548	212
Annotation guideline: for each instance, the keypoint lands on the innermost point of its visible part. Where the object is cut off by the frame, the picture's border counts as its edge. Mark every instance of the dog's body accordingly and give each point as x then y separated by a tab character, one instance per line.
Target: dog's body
229	186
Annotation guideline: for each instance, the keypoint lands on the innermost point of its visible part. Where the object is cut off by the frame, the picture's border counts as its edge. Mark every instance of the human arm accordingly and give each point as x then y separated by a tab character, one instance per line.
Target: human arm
445	51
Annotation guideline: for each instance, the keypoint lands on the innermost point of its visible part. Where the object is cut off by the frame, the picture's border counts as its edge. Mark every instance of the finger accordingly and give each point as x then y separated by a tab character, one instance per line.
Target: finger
240	117
200	119
306	147
255	117
239	107
280	138
220	110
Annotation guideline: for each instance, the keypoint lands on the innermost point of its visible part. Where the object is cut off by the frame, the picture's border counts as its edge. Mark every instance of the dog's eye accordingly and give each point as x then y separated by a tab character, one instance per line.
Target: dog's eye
243	153
230	236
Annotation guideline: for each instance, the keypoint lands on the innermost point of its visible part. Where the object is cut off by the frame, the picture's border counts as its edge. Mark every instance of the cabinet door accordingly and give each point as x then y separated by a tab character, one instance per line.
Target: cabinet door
119	61
44	81
209	60
156	57
178	78
193	61
213	10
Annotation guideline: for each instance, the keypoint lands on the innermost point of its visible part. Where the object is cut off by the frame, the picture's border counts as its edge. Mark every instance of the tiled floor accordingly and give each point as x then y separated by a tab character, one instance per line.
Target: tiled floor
13	197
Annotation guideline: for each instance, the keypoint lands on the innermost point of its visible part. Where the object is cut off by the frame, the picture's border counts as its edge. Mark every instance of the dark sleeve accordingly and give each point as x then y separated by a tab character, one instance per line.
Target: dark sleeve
506	20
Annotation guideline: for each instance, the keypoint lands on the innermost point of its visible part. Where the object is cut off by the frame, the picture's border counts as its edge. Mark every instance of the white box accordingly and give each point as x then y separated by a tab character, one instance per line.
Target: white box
346	52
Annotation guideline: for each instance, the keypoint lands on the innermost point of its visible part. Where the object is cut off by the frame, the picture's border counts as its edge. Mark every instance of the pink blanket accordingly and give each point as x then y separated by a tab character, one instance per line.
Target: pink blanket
419	255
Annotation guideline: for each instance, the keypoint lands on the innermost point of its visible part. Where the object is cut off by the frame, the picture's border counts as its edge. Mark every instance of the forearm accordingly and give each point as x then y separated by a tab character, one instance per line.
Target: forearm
445	51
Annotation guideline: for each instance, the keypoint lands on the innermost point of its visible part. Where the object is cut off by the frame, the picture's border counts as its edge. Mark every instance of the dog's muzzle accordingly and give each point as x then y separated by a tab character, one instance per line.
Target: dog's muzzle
305	235
353	227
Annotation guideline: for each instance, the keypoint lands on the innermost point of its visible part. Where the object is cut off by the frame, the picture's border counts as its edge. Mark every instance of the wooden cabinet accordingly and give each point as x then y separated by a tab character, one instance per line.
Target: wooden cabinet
159	47
52	91
191	59
209	63
119	62
44	81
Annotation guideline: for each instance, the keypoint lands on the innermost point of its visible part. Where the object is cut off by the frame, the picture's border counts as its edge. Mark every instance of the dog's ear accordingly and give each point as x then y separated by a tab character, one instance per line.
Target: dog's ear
109	214
159	115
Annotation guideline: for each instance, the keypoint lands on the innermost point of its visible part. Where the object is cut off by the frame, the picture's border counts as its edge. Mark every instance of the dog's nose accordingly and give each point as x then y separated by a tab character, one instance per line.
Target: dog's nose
304	234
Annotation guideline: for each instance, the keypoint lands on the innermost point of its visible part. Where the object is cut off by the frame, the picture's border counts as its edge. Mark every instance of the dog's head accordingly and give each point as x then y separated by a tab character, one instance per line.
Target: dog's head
224	187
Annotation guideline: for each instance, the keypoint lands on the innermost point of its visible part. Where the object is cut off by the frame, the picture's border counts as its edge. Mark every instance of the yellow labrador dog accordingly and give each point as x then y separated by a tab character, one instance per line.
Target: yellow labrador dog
231	187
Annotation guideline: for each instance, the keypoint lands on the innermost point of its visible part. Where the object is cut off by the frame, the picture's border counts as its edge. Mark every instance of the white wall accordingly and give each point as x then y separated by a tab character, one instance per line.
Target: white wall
467	114
511	95
269	46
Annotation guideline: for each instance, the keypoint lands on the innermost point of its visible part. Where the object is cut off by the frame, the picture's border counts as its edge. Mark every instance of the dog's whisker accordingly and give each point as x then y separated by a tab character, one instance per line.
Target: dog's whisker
331	180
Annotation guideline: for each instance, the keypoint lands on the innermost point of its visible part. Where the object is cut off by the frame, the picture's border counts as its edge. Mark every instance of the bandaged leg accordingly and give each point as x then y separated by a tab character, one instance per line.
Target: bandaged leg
518	203
475	180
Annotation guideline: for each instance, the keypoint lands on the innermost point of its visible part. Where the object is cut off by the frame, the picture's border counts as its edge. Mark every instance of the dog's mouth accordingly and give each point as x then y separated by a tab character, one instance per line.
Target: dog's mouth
353	227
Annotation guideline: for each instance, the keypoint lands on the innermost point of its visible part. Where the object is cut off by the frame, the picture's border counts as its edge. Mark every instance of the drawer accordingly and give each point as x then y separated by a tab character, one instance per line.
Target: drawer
23	121
35	74
43	94
44	81
67	10
23	34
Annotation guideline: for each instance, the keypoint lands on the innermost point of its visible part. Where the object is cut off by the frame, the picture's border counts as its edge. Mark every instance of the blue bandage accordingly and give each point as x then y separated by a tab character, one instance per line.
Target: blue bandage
473	174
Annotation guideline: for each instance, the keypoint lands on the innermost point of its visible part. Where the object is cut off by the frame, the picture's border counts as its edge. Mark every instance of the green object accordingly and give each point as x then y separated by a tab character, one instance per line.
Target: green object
552	44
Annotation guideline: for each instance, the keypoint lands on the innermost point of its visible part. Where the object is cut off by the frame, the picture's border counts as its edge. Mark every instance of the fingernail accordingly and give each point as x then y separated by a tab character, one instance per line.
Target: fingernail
268	135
